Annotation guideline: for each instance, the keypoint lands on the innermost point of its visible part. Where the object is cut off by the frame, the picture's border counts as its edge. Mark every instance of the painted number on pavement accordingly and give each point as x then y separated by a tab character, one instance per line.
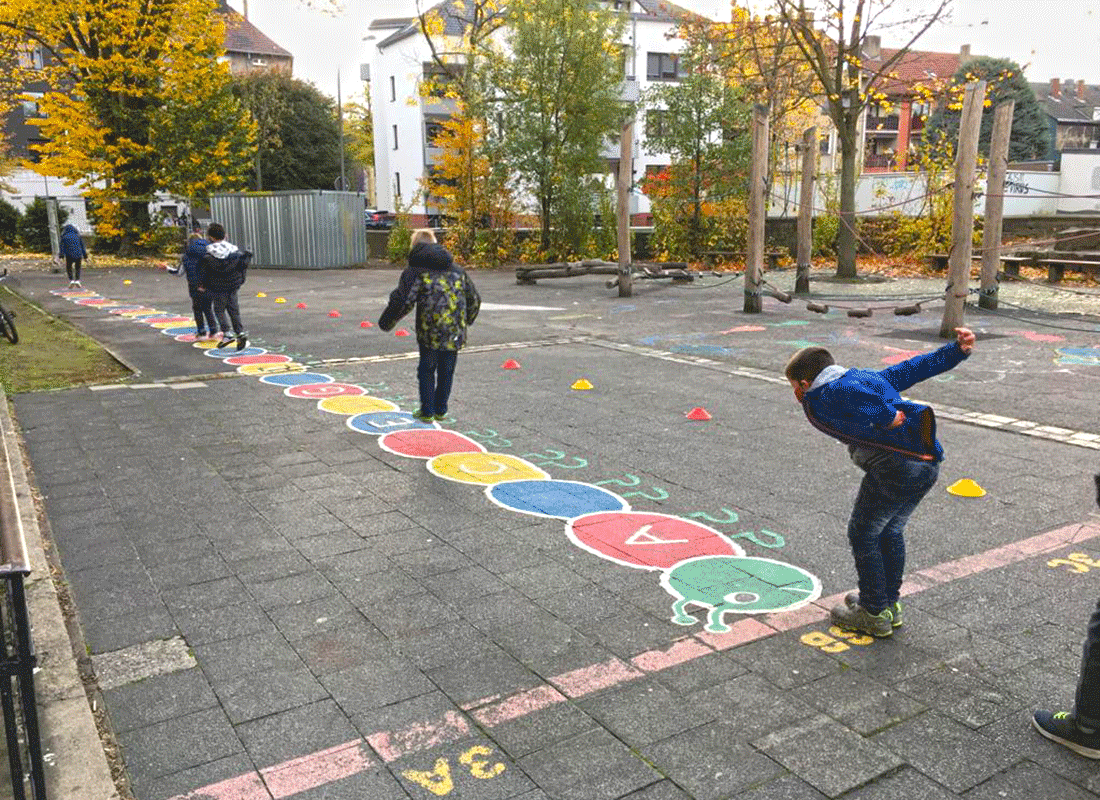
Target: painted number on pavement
835	641
479	761
1075	562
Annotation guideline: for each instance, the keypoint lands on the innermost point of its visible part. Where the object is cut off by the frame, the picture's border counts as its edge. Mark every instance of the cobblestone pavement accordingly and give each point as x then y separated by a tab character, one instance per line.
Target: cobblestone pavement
281	601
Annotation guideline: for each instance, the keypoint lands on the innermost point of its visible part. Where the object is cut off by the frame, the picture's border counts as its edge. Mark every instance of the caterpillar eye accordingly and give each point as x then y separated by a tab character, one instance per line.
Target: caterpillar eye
741	598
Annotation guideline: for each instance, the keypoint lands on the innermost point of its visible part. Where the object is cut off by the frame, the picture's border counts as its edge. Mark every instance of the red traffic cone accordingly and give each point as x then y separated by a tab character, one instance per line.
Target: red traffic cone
334	313
366	324
699	413
401	332
511	363
300	305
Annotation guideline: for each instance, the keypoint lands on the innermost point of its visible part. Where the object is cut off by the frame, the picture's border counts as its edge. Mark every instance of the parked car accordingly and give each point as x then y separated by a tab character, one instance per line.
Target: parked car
378	220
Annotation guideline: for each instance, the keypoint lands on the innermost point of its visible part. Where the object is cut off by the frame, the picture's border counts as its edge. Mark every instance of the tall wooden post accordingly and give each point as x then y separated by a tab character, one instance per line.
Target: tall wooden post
757	208
622	185
962	221
995	203
804	249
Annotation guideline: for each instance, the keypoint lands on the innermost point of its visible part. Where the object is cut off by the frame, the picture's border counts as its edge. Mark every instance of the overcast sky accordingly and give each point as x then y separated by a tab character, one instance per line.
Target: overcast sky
1052	38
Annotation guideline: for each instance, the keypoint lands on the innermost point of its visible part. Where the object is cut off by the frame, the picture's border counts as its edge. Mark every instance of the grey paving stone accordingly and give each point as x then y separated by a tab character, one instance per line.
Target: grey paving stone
159	698
291	590
498	611
578	605
828	756
862	704
541	729
187	780
356	565
244	655
113	549
700	673
187	572
354	643
945	750
206	596
784	661
750	705
259	694
104	634
711	761
297	732
317	616
905	784
787	787
178	744
456	640
331	543
550	649
402	615
206	626
591	766
380	681
495	673
630	632
961	696
1026	781
376	784
434	560
544	578
419	712
665	790
1017	736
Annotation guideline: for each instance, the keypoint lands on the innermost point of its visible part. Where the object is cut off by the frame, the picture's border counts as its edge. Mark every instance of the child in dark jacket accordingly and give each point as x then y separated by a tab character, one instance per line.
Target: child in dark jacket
446	302
201	304
72	247
221	275
894	442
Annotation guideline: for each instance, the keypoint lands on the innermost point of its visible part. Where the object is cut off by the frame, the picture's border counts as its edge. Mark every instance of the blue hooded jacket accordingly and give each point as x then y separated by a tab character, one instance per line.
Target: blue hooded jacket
193	255
72	246
858	405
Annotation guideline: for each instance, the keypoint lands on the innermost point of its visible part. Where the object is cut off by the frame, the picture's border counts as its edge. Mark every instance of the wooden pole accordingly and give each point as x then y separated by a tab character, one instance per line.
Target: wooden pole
806	212
623	182
962	221
757	208
995	203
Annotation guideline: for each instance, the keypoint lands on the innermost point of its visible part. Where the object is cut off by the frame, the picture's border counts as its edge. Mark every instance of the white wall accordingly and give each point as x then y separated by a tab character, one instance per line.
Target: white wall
1081	176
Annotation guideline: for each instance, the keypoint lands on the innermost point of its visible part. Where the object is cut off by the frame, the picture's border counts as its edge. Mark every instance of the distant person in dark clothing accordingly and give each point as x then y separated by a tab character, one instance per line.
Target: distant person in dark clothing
72	247
446	302
1079	730
201	302
222	272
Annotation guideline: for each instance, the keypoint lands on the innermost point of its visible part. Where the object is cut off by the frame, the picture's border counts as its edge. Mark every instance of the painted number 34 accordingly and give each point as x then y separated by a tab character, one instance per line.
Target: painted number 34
1075	562
477	760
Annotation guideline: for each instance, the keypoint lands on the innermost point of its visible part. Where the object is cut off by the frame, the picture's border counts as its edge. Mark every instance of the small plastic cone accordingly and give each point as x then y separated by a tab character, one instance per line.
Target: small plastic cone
280	299
698	413
300	305
511	363
582	383
966	488
261	294
127	282
334	313
366	324
401	332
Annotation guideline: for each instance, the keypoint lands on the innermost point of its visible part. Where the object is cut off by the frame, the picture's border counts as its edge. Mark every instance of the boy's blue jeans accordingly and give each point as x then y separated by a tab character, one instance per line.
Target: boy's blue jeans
892	487
435	372
1087	707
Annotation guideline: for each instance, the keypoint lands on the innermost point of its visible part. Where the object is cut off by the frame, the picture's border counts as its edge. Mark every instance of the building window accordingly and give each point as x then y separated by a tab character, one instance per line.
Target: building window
394	137
393	89
664	67
826	144
31	58
655	123
30	106
432	131
653	170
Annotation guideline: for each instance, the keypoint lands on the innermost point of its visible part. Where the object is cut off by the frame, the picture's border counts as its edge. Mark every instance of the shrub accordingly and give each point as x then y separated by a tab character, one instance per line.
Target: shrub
9	223
397	246
34	227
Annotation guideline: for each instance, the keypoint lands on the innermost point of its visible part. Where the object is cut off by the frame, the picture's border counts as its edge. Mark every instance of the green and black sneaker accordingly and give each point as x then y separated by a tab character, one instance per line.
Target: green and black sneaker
852	601
1063	728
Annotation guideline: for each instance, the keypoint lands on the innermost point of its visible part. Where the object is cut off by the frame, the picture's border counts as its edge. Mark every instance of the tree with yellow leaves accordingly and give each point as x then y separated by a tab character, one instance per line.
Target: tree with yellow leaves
139	103
849	80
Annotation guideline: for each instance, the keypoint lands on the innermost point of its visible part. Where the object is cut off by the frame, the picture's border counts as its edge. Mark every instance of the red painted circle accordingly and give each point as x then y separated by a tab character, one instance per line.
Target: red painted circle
271	358
647	540
155	320
428	443
313	391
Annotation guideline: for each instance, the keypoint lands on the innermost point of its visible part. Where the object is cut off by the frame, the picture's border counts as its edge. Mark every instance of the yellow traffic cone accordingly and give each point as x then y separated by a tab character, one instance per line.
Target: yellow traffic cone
966	488
582	383
261	294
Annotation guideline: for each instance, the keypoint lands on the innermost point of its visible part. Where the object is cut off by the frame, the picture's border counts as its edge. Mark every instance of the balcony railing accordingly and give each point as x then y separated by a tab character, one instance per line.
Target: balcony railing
883	161
883	125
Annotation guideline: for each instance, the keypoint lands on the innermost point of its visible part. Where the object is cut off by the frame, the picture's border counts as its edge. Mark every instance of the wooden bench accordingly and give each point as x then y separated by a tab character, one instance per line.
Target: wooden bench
938	261
711	257
1056	267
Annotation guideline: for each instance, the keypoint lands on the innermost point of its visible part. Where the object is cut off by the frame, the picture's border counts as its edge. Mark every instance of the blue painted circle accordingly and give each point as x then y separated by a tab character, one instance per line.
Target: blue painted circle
377	423
230	350
559	499
141	317
296	379
179	331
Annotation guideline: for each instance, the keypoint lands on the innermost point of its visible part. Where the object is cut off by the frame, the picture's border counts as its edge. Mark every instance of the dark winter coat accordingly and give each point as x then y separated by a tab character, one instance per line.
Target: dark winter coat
72	246
223	267
444	295
192	258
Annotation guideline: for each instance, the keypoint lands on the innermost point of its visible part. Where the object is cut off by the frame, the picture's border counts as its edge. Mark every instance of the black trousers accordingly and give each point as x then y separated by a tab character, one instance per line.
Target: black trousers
226	303
72	267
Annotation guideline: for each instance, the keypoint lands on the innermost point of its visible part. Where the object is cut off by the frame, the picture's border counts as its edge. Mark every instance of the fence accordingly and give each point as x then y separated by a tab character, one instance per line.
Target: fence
18	661
296	230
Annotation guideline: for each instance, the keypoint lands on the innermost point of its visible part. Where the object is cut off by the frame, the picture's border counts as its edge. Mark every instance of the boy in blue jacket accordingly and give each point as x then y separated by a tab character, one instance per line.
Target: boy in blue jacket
894	442
72	247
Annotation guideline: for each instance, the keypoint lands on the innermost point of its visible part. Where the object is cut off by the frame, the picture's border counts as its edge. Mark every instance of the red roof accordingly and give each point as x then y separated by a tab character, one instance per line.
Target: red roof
241	36
915	67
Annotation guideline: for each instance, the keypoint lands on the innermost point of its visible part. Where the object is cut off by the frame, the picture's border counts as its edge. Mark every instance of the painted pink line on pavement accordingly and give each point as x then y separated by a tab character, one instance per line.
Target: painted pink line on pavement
741	632
587	680
391	745
806	615
519	705
244	787
316	769
681	652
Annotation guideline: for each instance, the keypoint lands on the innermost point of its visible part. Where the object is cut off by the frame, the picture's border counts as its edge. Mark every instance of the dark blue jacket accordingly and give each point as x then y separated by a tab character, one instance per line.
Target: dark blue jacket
72	246
445	297
857	407
192	258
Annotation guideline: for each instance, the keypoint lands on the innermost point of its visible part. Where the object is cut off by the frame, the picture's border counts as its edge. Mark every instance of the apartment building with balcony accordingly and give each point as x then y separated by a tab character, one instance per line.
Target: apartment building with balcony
407	123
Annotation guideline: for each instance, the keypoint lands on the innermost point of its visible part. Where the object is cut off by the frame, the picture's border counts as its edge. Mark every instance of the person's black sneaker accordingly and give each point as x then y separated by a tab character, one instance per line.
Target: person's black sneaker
224	341
422	415
1062	728
242	340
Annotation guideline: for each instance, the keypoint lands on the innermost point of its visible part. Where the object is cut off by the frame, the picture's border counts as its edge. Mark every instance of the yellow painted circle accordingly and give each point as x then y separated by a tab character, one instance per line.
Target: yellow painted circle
484	469
355	404
204	345
141	312
166	325
270	369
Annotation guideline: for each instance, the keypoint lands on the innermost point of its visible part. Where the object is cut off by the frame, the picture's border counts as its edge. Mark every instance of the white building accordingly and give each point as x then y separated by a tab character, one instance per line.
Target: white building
405	122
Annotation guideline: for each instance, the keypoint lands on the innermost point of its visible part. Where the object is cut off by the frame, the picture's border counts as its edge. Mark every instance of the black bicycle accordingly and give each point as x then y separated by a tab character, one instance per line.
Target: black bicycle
7	319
